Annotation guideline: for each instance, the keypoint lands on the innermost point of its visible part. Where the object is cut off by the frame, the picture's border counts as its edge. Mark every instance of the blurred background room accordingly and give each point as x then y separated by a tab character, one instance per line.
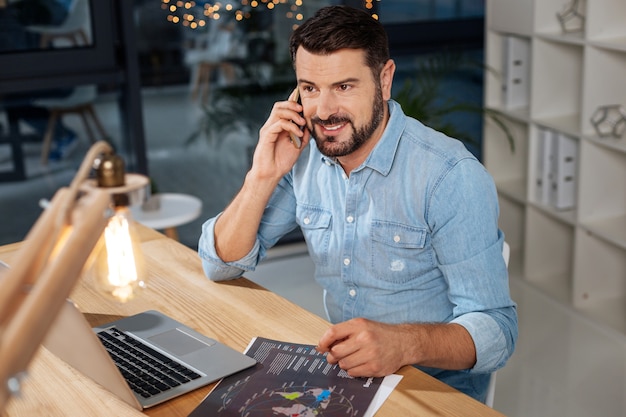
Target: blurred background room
181	88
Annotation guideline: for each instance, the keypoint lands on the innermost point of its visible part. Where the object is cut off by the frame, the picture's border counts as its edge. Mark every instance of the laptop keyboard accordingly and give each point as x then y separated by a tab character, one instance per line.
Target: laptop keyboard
147	371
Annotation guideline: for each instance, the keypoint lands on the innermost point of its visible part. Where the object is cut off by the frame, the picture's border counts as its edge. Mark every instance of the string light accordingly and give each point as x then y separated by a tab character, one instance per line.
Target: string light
196	14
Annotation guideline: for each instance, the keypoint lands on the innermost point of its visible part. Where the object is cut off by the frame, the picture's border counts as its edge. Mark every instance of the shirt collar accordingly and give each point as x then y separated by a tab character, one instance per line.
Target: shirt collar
382	156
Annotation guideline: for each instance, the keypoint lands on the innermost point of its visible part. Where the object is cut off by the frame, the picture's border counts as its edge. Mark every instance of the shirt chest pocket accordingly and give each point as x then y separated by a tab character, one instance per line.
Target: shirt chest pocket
316	225
398	251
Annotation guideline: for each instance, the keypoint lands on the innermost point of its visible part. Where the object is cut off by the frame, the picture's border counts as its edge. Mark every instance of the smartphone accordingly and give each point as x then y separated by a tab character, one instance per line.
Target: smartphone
295	96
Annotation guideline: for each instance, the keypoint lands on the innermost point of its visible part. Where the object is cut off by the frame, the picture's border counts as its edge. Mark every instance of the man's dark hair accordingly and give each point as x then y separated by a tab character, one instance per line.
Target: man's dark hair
338	27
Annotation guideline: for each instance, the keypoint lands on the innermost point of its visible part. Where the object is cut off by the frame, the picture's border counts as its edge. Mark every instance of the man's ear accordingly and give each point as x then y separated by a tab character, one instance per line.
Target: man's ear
386	79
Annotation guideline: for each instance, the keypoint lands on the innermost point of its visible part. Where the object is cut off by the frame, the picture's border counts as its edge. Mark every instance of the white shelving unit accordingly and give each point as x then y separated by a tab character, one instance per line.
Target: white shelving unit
578	255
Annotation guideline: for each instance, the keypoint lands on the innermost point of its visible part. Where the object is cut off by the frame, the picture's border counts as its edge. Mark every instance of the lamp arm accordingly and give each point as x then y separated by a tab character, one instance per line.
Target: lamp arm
30	264
46	269
82	174
45	233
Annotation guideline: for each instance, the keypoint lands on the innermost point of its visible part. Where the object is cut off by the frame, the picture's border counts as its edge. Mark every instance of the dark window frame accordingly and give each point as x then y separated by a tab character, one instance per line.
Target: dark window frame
111	60
435	35
37	63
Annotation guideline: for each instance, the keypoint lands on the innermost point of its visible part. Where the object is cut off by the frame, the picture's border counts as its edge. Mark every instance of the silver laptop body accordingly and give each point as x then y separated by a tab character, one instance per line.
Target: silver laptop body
206	360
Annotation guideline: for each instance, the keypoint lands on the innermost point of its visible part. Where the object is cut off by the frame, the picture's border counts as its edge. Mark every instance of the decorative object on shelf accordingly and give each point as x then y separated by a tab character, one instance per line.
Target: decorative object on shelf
609	120
571	17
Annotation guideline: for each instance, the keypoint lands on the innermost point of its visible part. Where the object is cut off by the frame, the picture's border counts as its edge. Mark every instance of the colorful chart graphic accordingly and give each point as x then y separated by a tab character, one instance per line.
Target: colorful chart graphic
295	401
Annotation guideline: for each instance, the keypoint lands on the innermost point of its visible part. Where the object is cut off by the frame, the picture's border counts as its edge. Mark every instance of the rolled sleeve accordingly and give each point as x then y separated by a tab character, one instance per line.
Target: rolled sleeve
493	347
216	269
469	244
278	219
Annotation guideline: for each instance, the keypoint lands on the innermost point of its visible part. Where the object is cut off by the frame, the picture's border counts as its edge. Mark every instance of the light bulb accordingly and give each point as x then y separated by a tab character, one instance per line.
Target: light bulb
117	265
119	268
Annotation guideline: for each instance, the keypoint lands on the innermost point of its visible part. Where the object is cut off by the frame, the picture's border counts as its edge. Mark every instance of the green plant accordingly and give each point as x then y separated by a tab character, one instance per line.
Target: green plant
239	107
222	113
422	97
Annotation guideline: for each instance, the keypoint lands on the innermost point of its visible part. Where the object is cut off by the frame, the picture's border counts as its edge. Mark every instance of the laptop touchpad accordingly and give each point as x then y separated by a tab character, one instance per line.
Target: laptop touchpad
178	342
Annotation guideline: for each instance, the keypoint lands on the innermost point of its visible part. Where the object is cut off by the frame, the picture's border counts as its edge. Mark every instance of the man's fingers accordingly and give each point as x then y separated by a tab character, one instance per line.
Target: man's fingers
333	335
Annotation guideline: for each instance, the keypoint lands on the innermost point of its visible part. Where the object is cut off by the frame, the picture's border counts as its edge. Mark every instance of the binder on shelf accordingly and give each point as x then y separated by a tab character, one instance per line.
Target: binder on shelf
544	167
563	192
515	72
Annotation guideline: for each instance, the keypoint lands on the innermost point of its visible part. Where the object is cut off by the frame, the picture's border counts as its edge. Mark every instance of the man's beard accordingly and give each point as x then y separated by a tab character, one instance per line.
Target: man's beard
359	137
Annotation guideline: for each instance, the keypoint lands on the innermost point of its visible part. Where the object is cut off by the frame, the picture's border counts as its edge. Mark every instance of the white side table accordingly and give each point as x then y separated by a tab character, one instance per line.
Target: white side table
175	210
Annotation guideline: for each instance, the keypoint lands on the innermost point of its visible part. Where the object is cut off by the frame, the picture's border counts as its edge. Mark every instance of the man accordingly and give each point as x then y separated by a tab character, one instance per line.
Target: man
400	220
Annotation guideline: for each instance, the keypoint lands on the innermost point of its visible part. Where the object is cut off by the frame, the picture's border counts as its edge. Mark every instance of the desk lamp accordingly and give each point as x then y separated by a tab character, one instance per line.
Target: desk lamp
56	252
118	267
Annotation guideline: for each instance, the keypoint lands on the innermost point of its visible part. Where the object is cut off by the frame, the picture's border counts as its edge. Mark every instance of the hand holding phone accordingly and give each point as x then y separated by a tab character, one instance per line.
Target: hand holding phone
295	96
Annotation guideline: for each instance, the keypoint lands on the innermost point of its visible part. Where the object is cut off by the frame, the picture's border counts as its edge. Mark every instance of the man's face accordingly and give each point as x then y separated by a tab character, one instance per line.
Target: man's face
343	104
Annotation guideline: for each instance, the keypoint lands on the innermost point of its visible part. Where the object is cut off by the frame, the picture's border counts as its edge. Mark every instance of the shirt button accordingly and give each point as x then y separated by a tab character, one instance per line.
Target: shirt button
346	261
349	219
396	238
352	292
306	220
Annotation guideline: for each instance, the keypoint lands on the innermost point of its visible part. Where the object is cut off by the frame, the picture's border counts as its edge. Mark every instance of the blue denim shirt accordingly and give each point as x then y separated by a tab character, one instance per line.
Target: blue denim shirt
410	236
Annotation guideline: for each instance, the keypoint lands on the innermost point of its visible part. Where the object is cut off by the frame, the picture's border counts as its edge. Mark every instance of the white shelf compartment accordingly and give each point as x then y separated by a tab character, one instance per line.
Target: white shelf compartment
557	78
569	124
508	167
548	252
564	216
617	44
610	143
602	191
493	73
605	20
515	190
611	229
493	92
604	83
512	16
599	288
575	38
547	22
516	264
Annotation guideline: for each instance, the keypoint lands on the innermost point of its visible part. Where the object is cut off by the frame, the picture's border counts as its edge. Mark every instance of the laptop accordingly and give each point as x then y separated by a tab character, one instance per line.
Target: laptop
115	355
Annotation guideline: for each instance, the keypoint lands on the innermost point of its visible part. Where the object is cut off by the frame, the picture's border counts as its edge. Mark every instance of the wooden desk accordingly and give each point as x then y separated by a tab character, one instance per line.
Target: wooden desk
232	312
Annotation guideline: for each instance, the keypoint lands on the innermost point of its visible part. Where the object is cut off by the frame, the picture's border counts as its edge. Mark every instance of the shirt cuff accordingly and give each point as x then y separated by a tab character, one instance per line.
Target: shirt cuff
213	266
489	341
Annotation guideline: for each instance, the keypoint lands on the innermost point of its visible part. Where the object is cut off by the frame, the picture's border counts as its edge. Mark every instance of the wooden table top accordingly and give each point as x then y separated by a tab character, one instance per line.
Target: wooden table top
232	312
